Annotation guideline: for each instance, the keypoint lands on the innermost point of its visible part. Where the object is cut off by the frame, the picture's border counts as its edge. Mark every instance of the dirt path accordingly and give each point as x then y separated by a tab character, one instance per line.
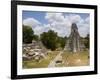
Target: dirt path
53	62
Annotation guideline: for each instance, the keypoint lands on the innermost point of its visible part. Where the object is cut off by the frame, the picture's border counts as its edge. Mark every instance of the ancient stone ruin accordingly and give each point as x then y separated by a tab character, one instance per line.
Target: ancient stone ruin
73	43
34	50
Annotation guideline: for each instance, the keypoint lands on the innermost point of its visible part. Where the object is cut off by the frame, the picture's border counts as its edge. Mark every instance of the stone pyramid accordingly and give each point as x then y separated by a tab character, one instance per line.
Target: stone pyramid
73	43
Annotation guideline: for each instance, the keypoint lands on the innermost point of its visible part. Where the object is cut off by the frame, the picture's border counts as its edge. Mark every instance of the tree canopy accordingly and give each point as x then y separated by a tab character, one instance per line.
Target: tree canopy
27	34
52	41
87	43
49	39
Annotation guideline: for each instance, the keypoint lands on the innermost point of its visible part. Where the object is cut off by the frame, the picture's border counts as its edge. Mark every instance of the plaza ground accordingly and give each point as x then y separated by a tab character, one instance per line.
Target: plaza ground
59	59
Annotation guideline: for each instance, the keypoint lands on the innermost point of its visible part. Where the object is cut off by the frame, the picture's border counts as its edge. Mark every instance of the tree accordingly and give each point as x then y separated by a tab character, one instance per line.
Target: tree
49	39
27	34
61	41
35	37
87	42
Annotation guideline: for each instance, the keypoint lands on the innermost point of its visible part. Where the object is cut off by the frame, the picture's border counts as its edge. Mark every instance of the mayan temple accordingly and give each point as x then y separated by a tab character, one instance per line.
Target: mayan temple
73	43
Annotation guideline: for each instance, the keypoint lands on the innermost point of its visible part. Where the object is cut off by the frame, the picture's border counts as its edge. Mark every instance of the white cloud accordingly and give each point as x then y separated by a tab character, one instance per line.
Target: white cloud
40	29
74	18
31	22
54	17
84	27
60	23
61	28
87	20
83	30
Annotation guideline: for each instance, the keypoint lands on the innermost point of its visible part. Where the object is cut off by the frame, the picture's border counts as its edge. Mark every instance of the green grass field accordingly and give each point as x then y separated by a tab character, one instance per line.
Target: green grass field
75	59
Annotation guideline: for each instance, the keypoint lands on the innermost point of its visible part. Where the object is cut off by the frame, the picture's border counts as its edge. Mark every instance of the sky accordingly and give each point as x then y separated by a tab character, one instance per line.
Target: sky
57	21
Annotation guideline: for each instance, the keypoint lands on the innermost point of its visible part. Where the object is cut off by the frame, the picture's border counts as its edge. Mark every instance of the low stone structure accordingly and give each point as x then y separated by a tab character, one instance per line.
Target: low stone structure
35	50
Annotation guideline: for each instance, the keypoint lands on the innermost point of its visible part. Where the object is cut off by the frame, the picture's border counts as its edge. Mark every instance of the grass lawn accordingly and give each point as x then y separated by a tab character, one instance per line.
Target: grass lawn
42	64
75	59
